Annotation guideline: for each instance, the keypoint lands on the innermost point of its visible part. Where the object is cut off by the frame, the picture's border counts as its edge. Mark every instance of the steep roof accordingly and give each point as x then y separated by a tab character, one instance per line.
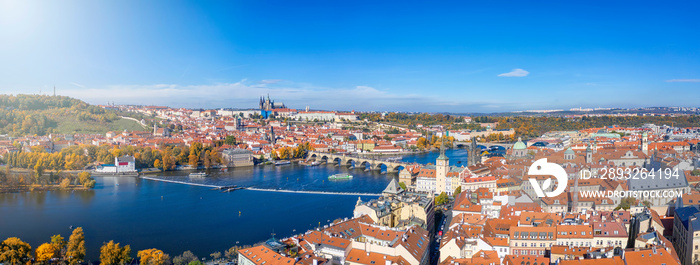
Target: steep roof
393	188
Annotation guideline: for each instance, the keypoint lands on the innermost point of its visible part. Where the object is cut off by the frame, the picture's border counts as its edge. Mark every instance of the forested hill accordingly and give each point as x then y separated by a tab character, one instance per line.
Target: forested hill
40	115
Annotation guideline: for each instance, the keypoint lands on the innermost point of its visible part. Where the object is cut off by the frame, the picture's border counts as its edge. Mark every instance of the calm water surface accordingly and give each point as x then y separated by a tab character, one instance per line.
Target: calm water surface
176	217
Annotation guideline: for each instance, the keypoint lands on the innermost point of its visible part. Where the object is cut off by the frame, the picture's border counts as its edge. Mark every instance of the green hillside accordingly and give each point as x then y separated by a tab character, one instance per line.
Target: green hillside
41	115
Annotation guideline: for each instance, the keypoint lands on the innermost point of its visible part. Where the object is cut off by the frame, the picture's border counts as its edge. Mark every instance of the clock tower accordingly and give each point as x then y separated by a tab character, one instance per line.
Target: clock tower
442	166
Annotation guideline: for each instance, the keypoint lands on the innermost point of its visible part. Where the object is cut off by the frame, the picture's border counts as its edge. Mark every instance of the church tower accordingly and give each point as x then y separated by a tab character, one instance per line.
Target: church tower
645	143
589	154
442	166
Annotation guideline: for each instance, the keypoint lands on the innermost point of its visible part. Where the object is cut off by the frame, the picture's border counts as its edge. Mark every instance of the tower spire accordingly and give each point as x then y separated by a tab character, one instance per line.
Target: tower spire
442	144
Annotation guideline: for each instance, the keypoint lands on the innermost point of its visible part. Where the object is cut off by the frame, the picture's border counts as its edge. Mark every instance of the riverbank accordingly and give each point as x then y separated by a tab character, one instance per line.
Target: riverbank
34	188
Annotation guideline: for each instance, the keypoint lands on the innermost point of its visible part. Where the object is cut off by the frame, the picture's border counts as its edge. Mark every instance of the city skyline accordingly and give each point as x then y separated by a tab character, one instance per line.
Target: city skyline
365	56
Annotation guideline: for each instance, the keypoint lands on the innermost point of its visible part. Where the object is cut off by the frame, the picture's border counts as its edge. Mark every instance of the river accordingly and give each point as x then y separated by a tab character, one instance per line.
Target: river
176	217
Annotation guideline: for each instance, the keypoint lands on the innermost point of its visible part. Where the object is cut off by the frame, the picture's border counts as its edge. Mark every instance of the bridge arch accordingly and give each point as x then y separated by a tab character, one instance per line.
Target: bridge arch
350	162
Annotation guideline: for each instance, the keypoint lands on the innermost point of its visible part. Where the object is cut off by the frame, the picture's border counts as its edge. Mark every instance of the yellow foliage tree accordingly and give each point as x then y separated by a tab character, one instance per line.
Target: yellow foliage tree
45	252
65	183
76	247
153	256
112	254
14	251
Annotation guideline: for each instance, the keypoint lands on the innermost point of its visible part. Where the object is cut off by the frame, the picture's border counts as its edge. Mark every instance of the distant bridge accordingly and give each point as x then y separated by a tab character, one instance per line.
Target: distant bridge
487	145
347	160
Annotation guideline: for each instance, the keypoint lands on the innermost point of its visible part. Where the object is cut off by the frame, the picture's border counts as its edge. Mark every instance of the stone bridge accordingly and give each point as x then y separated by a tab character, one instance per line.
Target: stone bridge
347	160
467	144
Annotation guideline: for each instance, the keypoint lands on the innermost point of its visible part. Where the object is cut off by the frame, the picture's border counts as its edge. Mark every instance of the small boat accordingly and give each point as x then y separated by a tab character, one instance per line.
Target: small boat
340	176
198	175
282	162
310	164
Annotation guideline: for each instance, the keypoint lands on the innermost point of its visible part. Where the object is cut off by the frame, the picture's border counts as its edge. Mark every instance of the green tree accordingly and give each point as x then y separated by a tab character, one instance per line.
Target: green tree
458	190
402	185
230	140
442	199
626	203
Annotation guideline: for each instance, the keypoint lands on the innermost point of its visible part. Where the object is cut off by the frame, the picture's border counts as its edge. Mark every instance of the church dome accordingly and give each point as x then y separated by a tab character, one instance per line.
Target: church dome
519	145
569	151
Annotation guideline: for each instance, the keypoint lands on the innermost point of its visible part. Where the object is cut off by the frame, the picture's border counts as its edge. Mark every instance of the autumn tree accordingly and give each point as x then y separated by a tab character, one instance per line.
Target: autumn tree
45	252
422	143
14	251
157	163
232	253
59	244
185	258
85	179
153	256
112	254
65	183
216	255
207	160
76	247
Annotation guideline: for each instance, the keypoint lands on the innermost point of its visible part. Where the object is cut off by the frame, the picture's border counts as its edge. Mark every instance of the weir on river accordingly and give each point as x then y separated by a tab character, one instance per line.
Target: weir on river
268	190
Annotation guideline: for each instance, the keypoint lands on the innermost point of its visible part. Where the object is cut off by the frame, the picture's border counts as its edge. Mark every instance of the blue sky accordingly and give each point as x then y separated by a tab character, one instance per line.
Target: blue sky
435	56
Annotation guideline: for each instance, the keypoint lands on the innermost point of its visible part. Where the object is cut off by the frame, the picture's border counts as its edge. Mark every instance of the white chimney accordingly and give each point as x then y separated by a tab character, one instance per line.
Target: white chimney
315	262
387	262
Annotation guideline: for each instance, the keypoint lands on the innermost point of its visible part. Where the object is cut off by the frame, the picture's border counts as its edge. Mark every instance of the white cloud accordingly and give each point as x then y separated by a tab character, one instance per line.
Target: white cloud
76	84
515	73
683	80
245	94
270	81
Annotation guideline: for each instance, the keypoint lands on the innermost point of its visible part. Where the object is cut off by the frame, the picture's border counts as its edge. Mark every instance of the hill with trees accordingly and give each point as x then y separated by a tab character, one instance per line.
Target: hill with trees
41	115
